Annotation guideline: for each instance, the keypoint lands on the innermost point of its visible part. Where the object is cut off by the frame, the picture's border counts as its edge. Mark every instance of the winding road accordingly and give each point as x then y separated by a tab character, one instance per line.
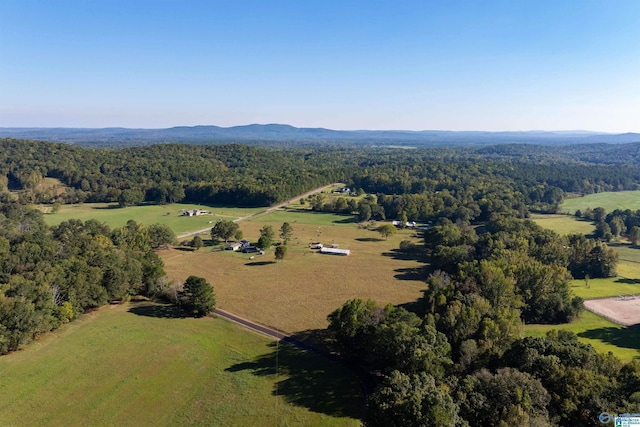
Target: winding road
266	211
270	332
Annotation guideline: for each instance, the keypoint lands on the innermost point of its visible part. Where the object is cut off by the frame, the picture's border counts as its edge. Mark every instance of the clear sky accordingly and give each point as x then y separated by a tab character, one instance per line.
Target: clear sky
340	64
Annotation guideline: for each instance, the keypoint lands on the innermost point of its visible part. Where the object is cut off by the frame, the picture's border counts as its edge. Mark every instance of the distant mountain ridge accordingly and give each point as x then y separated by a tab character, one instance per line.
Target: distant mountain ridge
282	133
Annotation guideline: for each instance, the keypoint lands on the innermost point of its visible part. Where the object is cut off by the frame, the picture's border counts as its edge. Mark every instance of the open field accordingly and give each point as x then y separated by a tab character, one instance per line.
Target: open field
169	215
298	293
609	201
591	328
564	224
603	335
139	364
627	281
603	288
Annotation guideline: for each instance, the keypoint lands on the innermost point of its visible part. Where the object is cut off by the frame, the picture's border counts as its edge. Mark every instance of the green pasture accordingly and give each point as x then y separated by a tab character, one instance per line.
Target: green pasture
564	224
610	201
142	364
170	215
603	335
305	216
604	288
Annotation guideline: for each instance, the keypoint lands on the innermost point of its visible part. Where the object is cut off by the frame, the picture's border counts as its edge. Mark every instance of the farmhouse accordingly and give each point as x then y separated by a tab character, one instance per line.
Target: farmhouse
234	246
315	245
195	212
334	251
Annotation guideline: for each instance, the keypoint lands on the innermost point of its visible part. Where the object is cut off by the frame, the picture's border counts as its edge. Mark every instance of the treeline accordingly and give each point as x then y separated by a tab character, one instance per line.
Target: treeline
49	277
469	183
225	174
460	358
615	224
427	375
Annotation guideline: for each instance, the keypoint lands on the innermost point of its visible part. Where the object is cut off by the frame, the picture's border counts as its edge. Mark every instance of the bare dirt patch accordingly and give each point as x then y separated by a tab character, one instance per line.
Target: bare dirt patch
624	310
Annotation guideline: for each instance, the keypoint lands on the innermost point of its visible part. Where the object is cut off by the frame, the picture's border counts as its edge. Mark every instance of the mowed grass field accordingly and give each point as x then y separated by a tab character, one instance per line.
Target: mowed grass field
298	293
604	335
135	364
170	215
564	224
610	201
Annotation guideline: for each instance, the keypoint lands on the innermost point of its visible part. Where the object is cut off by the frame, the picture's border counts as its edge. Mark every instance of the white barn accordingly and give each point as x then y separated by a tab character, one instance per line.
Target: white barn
334	251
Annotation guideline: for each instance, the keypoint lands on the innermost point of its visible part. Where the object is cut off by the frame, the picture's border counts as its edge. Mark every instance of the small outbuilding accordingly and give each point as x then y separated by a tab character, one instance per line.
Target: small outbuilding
334	251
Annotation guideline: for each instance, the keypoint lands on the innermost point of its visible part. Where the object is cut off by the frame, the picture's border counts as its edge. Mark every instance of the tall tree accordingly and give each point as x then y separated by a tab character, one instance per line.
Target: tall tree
197	242
411	401
198	296
281	252
160	235
224	229
386	230
286	231
266	237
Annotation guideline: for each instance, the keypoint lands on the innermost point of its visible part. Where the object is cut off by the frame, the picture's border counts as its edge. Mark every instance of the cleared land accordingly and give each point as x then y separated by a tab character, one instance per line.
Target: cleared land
624	310
564	224
609	201
591	328
298	293
603	335
139	364
170	215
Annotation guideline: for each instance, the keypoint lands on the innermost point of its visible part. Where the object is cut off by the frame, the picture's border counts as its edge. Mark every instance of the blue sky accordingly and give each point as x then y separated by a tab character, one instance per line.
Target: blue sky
452	65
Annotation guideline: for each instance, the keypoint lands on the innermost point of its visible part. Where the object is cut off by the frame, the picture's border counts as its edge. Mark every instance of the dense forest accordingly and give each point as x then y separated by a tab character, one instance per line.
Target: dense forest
458	358
50	276
241	175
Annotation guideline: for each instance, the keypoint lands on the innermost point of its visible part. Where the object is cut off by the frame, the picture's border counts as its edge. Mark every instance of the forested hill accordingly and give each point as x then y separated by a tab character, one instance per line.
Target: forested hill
243	175
285	134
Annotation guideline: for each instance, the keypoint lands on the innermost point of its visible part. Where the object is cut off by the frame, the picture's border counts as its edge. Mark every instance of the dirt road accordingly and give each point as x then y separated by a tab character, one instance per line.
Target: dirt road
266	211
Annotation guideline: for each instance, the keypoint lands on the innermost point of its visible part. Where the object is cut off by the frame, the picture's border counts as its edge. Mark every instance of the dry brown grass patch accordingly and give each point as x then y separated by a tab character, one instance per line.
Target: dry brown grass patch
298	293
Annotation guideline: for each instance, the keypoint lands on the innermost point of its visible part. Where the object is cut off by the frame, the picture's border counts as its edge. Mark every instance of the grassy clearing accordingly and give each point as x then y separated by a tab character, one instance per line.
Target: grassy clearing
298	293
564	224
627	281
603	288
608	201
170	215
135	365
603	335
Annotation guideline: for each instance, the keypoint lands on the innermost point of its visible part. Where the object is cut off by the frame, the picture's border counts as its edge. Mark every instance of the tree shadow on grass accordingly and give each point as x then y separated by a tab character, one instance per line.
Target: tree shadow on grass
417	273
369	239
308	380
626	337
404	256
162	311
259	263
347	220
628	281
415	307
107	207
